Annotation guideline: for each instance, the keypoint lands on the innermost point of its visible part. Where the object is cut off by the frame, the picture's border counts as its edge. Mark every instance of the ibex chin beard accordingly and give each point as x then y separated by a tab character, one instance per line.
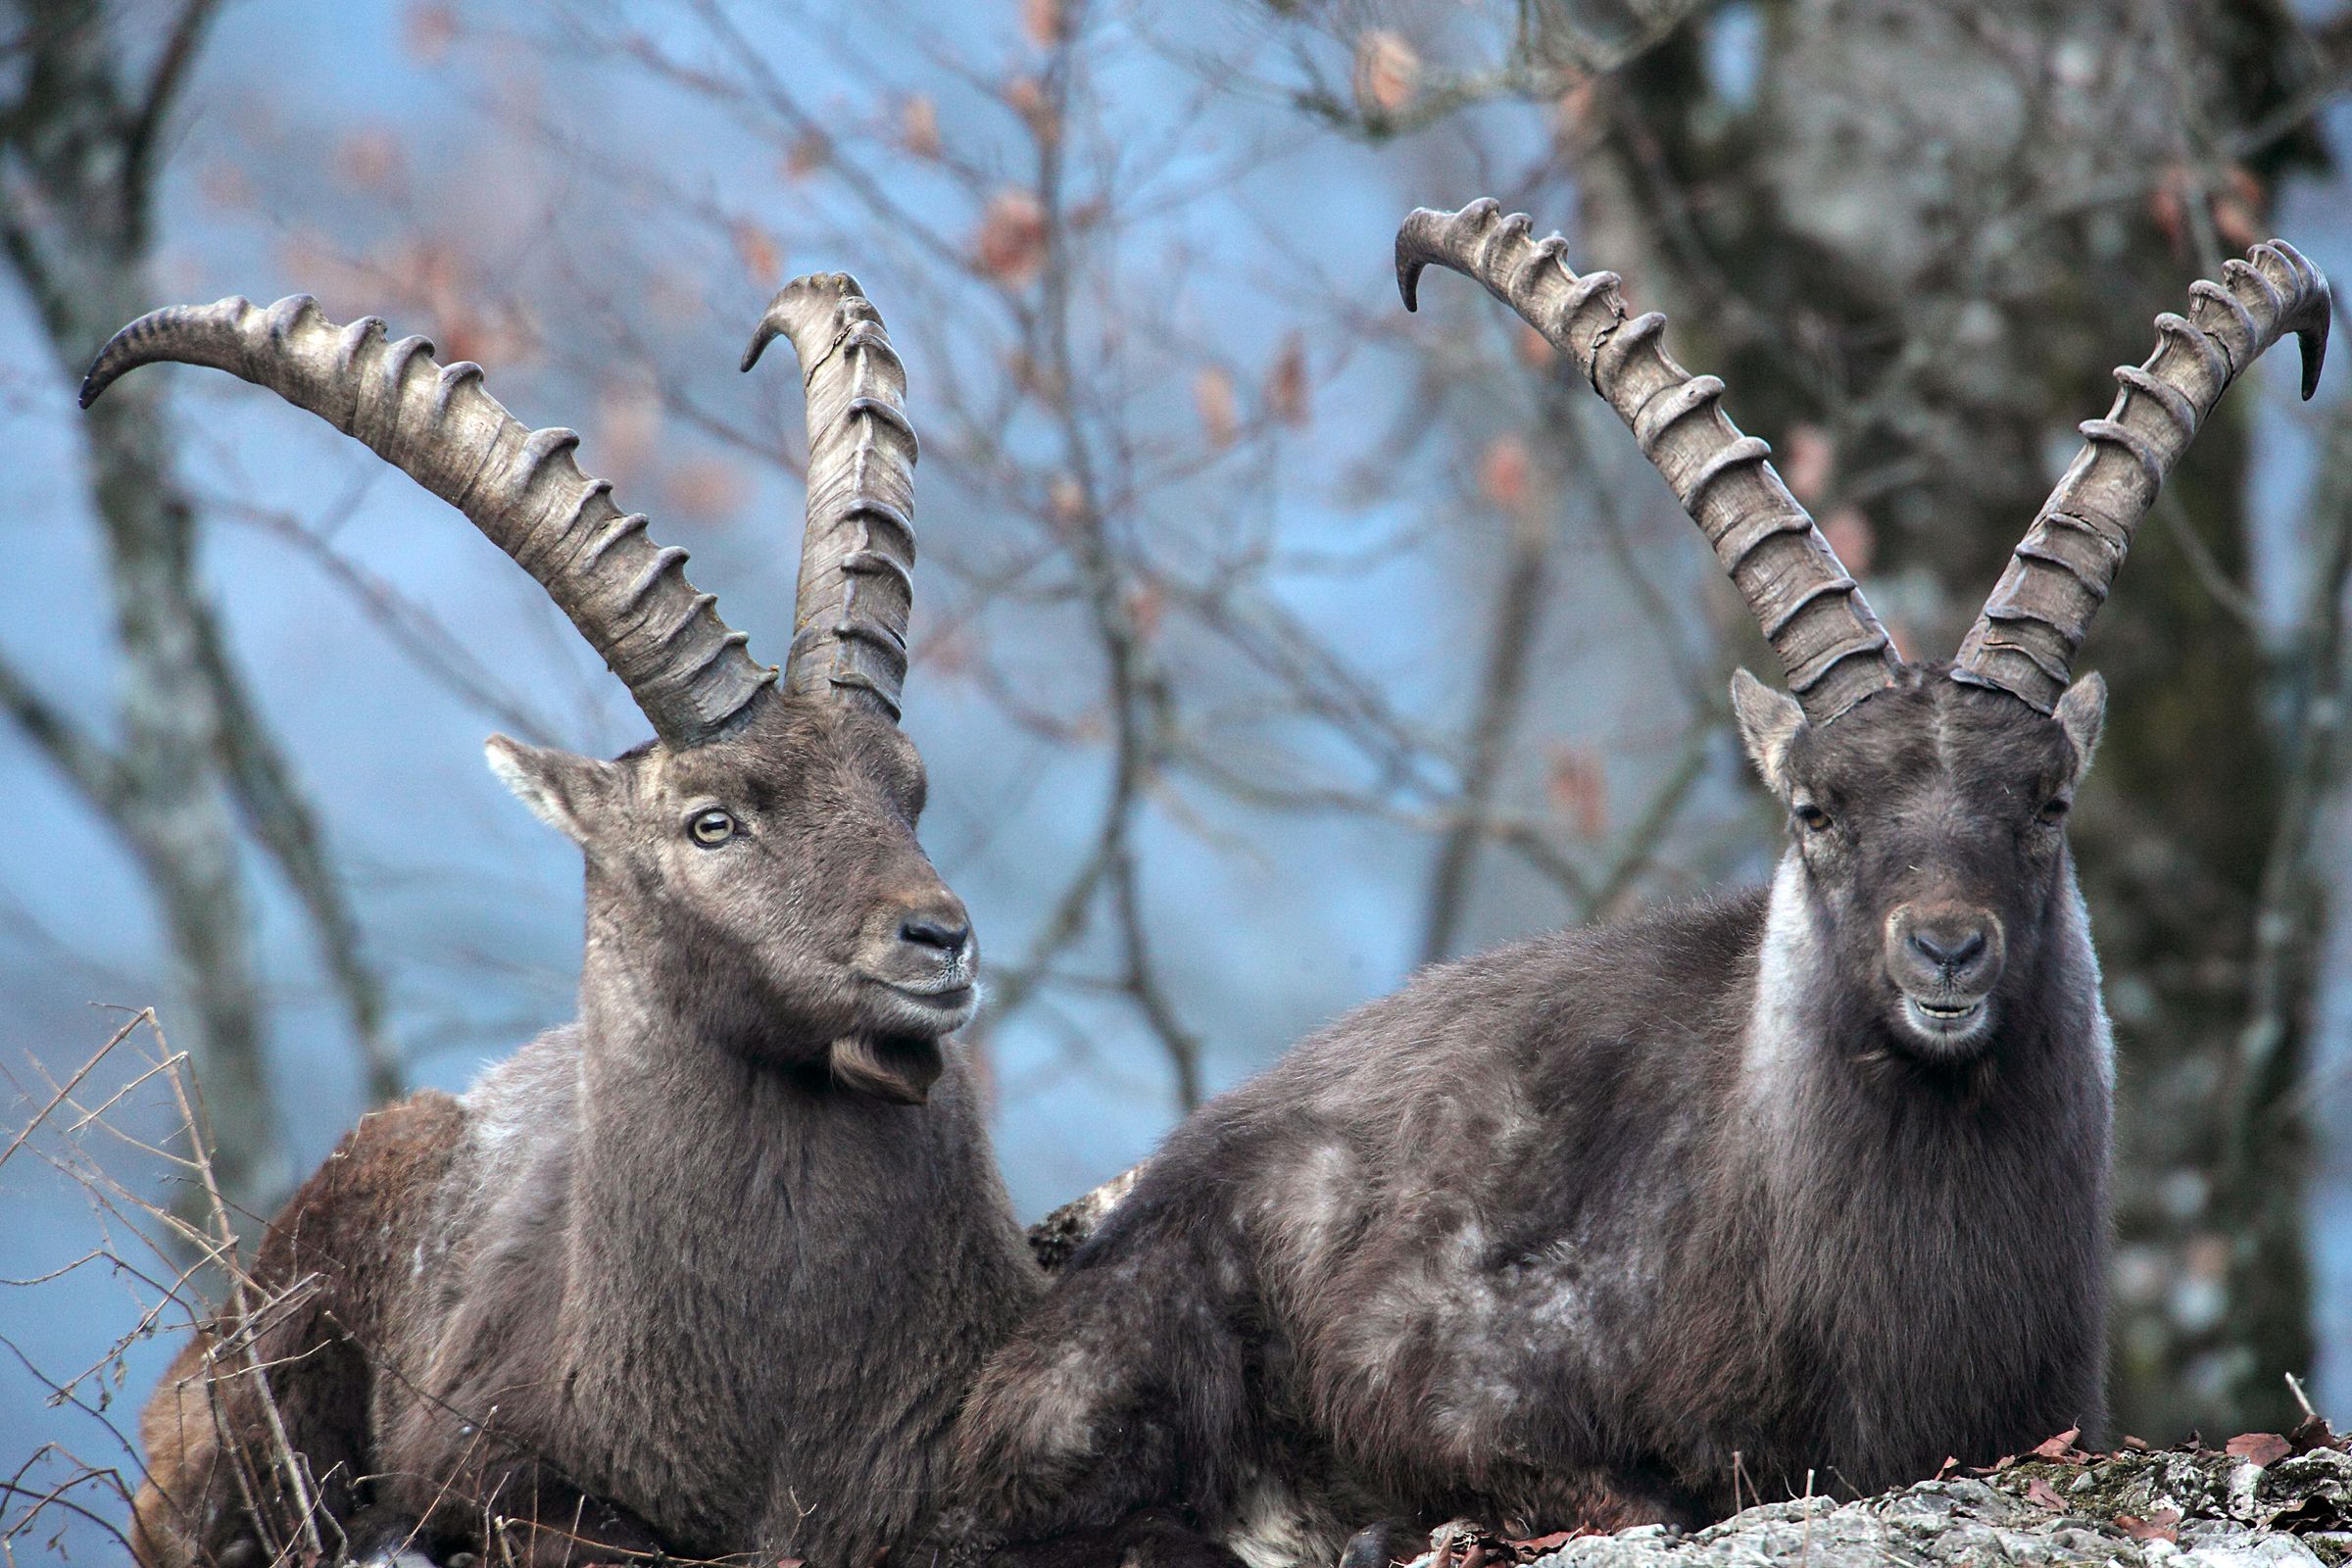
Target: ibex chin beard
896	1069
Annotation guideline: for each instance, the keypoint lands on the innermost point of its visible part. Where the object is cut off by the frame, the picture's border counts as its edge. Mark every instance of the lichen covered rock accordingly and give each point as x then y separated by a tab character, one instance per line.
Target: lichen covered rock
2266	1501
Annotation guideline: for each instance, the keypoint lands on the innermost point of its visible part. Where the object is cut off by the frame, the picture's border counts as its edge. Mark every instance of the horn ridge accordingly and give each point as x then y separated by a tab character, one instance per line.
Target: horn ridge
1830	647
521	488
2033	625
857	547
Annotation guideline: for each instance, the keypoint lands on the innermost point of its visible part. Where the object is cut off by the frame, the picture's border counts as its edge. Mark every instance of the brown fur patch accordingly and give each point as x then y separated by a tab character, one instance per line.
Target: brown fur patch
322	1286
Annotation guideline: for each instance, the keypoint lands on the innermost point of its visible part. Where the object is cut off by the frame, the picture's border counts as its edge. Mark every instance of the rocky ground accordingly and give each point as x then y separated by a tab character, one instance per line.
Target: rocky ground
2263	1499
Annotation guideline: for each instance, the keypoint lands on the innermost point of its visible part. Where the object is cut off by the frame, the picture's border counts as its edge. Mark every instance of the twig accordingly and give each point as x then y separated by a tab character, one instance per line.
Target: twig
74	752
241	1309
411	628
164	83
146	1016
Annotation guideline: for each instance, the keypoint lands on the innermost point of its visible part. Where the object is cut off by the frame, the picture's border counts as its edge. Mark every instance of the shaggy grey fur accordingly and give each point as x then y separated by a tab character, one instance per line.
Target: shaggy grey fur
1556	1233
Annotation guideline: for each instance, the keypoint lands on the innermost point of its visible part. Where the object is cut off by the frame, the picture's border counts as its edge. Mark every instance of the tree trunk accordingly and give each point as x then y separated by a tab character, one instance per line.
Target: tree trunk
78	149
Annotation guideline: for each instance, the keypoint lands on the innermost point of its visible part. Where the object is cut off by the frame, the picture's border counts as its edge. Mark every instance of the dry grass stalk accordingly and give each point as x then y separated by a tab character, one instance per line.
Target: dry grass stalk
95	1129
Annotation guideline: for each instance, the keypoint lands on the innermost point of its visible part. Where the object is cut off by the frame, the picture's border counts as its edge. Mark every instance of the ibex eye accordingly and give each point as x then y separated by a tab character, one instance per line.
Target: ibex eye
712	827
1812	818
2054	810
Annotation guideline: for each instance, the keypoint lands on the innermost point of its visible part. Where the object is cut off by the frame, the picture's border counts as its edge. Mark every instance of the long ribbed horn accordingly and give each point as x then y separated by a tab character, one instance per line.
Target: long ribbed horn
1832	647
440	426
849	623
2025	641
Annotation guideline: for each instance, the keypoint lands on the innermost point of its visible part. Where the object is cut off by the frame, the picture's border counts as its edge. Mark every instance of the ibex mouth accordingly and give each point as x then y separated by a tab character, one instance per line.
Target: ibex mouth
934	1006
1948	1022
945	992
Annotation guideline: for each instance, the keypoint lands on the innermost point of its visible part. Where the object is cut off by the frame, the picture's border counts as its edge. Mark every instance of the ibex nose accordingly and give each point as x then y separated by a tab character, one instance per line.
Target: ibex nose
933	931
938	922
1946	948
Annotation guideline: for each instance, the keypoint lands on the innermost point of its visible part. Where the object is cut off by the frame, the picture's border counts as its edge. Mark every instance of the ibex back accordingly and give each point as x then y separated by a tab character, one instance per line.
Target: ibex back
708	1270
1803	1185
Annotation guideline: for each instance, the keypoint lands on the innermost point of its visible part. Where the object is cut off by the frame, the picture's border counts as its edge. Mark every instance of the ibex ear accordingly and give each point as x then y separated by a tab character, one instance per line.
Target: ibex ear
562	790
1769	720
2082	712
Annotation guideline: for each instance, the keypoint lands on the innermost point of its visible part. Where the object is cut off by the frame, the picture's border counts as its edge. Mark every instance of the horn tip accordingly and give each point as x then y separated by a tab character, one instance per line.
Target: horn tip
1408	281
108	365
762	336
2314	307
789	308
2313	340
1412	247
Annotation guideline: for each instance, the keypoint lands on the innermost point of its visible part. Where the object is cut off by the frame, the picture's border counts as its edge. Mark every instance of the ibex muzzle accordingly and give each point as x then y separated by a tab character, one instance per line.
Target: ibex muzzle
1944	959
920	947
920	955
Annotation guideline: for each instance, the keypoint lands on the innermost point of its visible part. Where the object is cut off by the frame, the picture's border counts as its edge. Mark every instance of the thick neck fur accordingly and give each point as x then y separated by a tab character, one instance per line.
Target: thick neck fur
1883	1199
1816	1038
775	1291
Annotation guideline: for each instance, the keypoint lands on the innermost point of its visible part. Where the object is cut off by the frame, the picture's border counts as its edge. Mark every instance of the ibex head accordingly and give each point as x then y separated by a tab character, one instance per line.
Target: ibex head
1927	802
1929	824
760	854
768	882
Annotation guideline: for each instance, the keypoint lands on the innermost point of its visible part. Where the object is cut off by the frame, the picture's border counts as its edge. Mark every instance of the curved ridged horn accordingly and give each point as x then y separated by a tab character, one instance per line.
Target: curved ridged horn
856	590
440	426
1832	647
2025	641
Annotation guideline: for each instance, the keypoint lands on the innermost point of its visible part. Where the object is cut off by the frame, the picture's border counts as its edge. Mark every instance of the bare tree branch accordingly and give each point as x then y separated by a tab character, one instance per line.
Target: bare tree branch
83	760
2312	667
411	628
1522	588
277	816
154	106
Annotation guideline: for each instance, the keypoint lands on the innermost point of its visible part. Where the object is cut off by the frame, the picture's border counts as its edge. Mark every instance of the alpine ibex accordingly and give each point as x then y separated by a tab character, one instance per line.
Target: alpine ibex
710	1269
1807	1181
